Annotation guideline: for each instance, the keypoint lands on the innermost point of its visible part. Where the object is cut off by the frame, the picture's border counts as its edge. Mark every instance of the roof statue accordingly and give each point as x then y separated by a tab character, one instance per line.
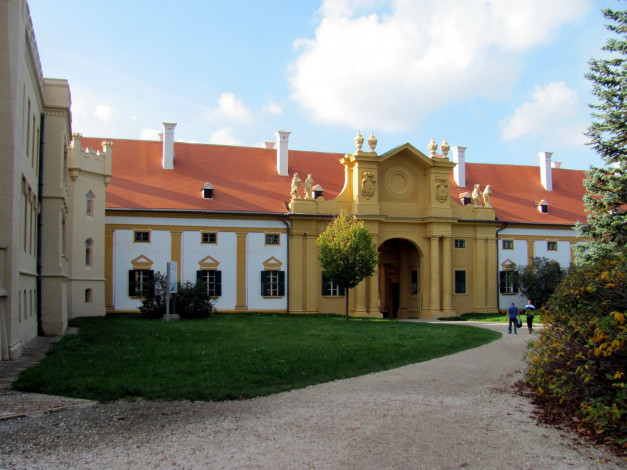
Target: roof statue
308	187
487	196
295	186
476	194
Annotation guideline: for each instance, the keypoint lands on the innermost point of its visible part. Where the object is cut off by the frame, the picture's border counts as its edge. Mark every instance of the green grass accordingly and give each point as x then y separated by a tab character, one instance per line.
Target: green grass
232	356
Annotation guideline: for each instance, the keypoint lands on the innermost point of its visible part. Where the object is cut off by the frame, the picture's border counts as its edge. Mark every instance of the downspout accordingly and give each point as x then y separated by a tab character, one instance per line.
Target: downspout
40	196
287	278
498	291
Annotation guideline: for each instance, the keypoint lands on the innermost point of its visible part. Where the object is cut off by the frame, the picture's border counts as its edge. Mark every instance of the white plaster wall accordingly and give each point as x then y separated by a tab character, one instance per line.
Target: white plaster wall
207	224
258	252
125	250
225	252
562	255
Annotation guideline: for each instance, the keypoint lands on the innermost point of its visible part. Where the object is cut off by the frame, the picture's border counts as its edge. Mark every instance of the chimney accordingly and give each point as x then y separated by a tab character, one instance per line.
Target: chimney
168	145
545	170
281	152
459	172
270	145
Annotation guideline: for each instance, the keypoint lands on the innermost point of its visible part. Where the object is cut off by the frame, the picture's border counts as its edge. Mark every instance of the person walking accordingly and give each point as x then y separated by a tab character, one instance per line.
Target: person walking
529	311
512	311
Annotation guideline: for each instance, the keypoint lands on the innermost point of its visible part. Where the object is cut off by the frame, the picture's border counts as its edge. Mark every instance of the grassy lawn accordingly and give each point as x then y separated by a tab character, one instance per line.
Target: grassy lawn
232	356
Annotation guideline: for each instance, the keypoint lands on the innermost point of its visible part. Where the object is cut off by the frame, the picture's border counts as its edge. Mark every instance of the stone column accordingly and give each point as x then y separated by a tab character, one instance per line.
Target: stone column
311	274
447	291
240	302
435	274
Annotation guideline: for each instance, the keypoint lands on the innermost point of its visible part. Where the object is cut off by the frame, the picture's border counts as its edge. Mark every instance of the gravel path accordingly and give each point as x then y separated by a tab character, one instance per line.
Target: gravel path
459	411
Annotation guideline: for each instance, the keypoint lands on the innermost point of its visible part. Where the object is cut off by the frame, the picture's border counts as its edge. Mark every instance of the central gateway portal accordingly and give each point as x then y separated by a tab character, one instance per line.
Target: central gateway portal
399	279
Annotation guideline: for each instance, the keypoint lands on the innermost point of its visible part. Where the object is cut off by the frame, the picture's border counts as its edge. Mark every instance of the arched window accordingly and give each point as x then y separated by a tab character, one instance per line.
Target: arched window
89	248
89	200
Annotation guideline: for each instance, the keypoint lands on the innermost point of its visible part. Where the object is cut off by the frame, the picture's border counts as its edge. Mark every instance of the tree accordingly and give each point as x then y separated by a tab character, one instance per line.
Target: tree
538	280
347	254
607	187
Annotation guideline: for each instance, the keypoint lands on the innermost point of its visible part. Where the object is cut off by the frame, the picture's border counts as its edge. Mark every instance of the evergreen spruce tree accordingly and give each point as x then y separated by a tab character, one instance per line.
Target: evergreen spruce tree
607	187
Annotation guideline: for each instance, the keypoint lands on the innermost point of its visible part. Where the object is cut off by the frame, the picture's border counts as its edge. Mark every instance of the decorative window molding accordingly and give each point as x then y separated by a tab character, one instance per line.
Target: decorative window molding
551	245
209	238
273	239
142	262
272	264
208	262
508	244
141	236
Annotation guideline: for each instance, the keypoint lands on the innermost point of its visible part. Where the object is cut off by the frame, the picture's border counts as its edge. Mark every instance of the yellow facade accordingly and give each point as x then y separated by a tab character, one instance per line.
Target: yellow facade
404	198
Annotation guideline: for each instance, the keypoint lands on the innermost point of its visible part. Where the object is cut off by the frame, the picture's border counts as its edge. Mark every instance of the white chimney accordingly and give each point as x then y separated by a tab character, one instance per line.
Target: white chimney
545	170
168	145
270	145
459	172
281	152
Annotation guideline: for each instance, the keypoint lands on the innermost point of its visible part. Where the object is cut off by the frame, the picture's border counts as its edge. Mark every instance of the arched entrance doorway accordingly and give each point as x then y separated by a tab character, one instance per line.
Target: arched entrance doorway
399	279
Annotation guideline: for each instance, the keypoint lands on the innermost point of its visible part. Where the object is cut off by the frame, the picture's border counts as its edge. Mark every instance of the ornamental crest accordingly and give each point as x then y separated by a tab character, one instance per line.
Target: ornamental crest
441	189
368	184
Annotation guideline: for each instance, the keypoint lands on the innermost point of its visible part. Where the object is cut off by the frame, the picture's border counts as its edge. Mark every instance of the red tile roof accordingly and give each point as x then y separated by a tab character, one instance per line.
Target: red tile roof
516	188
245	179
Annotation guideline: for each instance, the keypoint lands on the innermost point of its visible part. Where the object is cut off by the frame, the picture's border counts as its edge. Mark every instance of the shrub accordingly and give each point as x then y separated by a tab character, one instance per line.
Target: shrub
577	365
192	300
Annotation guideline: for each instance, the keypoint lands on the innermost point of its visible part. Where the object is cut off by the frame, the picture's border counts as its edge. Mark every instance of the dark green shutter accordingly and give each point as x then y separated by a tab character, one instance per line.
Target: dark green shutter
264	277
325	284
281	283
132	290
502	281
218	278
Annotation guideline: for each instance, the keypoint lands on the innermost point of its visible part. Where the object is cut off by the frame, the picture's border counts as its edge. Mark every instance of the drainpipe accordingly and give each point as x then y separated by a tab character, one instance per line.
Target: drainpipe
40	196
498	292
287	278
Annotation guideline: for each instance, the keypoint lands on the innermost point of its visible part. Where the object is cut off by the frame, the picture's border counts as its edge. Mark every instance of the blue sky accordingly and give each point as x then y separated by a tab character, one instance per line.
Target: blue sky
503	78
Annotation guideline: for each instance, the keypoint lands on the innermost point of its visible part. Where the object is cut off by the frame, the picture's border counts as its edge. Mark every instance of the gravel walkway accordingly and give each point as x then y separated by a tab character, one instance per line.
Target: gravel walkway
459	411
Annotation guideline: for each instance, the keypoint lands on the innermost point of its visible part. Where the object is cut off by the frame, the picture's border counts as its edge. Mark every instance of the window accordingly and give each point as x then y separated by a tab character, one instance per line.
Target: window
508	244
89	203
414	281
142	237
139	282
460	282
272	283
507	282
272	238
88	296
213	280
209	237
551	246
330	288
89	248
460	243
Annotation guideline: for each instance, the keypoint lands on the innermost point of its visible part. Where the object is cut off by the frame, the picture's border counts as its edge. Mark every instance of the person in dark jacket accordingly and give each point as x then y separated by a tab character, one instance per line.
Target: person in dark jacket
512	311
529	311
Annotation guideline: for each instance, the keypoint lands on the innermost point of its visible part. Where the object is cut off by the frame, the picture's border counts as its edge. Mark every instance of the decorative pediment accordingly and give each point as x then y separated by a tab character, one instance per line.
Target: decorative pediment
272	264
142	262
507	265
416	155
208	262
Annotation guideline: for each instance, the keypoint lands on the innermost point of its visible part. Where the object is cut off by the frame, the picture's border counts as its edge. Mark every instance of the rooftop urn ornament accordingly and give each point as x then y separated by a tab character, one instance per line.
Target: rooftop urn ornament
359	141
445	148
372	142
432	147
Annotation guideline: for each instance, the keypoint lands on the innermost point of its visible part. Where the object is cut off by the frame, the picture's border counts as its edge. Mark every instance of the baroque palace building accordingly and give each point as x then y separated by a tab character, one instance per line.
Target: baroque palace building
245	221
86	222
52	198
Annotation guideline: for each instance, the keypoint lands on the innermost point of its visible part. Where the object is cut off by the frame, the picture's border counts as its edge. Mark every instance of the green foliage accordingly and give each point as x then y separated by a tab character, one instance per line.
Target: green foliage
579	361
233	356
607	187
192	300
538	280
347	254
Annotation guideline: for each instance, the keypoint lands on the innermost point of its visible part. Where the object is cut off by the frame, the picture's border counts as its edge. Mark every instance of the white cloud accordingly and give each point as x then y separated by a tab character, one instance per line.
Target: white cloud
551	105
149	134
384	64
103	112
224	136
230	109
272	108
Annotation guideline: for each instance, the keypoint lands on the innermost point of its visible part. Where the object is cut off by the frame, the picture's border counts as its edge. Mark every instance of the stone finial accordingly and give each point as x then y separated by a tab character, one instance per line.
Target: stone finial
432	147
372	142
359	141
445	148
